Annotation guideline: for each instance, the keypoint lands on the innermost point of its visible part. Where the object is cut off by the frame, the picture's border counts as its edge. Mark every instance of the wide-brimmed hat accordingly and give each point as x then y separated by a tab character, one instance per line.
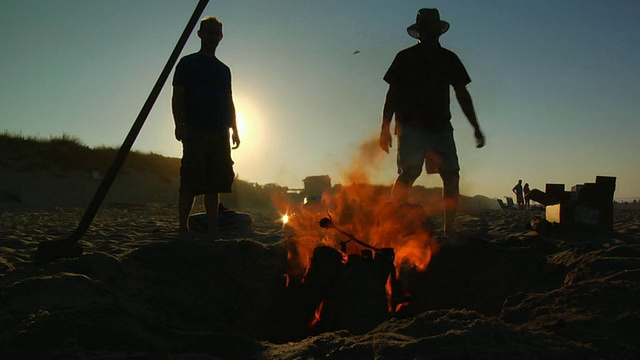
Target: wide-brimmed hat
428	18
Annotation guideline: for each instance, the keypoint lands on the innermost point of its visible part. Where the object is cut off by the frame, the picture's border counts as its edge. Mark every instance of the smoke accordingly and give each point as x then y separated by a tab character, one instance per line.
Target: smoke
365	164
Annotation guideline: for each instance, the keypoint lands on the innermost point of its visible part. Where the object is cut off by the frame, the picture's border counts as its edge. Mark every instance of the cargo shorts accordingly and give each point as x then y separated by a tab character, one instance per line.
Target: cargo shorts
436	150
206	165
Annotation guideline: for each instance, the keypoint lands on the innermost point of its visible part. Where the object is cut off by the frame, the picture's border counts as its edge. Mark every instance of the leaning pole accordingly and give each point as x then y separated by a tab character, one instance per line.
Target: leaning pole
68	247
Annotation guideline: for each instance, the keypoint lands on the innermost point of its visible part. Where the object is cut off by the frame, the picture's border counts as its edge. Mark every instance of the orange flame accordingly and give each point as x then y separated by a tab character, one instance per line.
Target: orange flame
367	212
316	317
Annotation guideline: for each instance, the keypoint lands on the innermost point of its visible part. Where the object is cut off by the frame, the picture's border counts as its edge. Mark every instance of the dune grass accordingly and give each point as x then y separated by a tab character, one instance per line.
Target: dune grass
68	152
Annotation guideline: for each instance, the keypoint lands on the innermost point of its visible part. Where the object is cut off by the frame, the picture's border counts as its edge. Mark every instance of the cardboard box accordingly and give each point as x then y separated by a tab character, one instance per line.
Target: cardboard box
581	215
588	206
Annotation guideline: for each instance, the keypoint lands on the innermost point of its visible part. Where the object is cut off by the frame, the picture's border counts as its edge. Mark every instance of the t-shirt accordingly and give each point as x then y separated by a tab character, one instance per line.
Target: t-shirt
422	75
208	101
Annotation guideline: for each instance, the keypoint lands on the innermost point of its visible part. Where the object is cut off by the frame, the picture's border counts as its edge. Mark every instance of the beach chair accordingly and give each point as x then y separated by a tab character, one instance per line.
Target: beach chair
510	203
503	206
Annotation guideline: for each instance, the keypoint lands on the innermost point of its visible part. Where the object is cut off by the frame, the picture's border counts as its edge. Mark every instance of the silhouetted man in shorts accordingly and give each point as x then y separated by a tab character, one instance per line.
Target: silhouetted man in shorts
419	79
203	112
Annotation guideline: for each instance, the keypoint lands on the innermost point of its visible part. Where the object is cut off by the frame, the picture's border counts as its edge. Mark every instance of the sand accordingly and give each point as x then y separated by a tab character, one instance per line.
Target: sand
500	291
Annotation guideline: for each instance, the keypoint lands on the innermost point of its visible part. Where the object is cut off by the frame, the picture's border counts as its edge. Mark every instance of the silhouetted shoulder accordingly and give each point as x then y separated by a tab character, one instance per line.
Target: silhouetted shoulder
418	50
427	64
188	59
197	58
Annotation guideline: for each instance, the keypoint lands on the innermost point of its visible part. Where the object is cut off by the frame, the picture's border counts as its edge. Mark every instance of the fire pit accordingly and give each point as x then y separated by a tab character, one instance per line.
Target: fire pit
337	281
352	292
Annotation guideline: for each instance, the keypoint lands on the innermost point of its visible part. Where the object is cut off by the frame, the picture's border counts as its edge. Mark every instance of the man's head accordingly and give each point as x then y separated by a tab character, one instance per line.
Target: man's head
428	25
210	32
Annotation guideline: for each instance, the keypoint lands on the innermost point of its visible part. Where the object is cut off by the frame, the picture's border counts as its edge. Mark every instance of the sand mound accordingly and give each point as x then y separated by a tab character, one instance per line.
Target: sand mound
500	292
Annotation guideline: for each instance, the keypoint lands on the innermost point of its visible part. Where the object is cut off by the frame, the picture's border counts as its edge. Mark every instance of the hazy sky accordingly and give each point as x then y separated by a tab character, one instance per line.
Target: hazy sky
555	83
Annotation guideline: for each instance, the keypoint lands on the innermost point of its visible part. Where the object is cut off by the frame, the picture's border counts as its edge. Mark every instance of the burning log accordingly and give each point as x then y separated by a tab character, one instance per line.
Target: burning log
350	292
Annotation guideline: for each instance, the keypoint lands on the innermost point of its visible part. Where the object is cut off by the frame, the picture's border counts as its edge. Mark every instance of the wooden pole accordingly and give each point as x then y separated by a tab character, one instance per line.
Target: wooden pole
61	248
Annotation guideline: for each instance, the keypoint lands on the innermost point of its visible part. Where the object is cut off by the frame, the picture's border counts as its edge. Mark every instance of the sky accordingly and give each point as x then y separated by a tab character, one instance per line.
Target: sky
555	83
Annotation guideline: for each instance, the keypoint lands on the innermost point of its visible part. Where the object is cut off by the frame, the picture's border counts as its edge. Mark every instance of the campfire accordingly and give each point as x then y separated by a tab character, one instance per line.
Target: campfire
347	254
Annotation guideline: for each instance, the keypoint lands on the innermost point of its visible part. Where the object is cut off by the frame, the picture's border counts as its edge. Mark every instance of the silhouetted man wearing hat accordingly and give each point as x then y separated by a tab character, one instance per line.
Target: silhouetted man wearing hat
419	79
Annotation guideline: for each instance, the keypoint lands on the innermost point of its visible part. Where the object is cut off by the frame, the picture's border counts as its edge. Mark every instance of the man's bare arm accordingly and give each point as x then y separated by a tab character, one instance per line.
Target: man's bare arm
466	104
235	137
389	105
178	110
388	110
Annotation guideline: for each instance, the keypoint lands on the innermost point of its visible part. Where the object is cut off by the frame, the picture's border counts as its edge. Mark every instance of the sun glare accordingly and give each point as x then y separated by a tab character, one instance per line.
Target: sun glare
248	123
250	120
241	124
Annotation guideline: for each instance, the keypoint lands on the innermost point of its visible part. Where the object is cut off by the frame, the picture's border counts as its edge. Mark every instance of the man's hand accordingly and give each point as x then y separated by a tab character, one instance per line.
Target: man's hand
479	138
385	141
235	139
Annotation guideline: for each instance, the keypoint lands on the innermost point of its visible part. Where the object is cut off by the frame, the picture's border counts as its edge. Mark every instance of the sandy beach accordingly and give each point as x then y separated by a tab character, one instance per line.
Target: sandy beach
375	281
500	292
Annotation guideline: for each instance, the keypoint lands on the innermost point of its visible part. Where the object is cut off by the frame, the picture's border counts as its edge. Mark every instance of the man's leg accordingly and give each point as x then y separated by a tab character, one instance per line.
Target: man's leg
409	159
185	203
402	185
211	202
451	197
